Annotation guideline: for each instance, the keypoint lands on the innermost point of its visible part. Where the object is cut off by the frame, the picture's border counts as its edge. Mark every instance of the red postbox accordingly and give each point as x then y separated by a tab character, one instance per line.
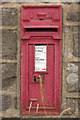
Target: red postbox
41	39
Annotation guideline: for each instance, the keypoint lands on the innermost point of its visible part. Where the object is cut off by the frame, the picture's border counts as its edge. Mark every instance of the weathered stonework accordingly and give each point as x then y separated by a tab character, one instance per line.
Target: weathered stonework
70	14
79	107
72	17
9	16
72	77
9	70
15	102
71	42
72	82
67	42
8	75
6	102
70	103
79	41
9	44
79	77
75	42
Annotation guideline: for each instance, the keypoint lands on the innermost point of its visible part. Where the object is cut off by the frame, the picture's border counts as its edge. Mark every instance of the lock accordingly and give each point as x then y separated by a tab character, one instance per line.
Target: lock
37	77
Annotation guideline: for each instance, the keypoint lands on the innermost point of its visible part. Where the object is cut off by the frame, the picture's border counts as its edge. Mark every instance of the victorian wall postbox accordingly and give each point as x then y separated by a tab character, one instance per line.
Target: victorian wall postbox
41	38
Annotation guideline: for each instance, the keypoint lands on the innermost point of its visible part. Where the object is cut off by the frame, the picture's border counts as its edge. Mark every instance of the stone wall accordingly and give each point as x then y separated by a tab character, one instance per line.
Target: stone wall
11	59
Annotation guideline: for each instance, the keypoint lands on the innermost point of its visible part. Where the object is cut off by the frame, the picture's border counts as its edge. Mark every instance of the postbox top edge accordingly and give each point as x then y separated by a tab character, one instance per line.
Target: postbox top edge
35	6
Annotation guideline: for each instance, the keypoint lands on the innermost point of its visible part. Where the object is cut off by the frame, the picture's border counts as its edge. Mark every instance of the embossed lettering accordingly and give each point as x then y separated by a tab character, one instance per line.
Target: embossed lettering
31	15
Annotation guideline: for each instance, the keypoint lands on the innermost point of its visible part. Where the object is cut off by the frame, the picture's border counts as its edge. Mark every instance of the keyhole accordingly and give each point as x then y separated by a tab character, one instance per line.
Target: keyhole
34	78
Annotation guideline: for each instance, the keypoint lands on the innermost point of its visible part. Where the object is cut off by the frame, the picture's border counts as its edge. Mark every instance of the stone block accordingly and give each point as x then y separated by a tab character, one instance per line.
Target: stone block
67	41
72	17
70	106
76	38
72	77
9	16
8	75
79	107
6	102
71	13
79	78
71	42
70	103
9	44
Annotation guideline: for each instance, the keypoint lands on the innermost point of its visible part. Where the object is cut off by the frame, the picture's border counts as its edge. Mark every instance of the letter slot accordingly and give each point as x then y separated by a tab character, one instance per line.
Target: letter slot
42	29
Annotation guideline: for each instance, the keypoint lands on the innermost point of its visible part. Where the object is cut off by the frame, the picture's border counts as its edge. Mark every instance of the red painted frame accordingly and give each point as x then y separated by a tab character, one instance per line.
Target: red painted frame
25	41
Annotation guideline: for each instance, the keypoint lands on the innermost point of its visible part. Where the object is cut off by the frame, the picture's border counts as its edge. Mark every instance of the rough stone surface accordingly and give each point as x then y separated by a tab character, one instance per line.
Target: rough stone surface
72	77
73	17
70	103
0	43
72	12
9	44
4	2
8	75
79	40
15	102
79	107
67	42
64	2
72	88
71	42
9	16
79	77
71	67
6	102
75	41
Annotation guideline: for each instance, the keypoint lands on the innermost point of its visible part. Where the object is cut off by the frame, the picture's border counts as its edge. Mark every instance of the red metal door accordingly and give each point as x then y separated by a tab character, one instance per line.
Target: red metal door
41	59
36	96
